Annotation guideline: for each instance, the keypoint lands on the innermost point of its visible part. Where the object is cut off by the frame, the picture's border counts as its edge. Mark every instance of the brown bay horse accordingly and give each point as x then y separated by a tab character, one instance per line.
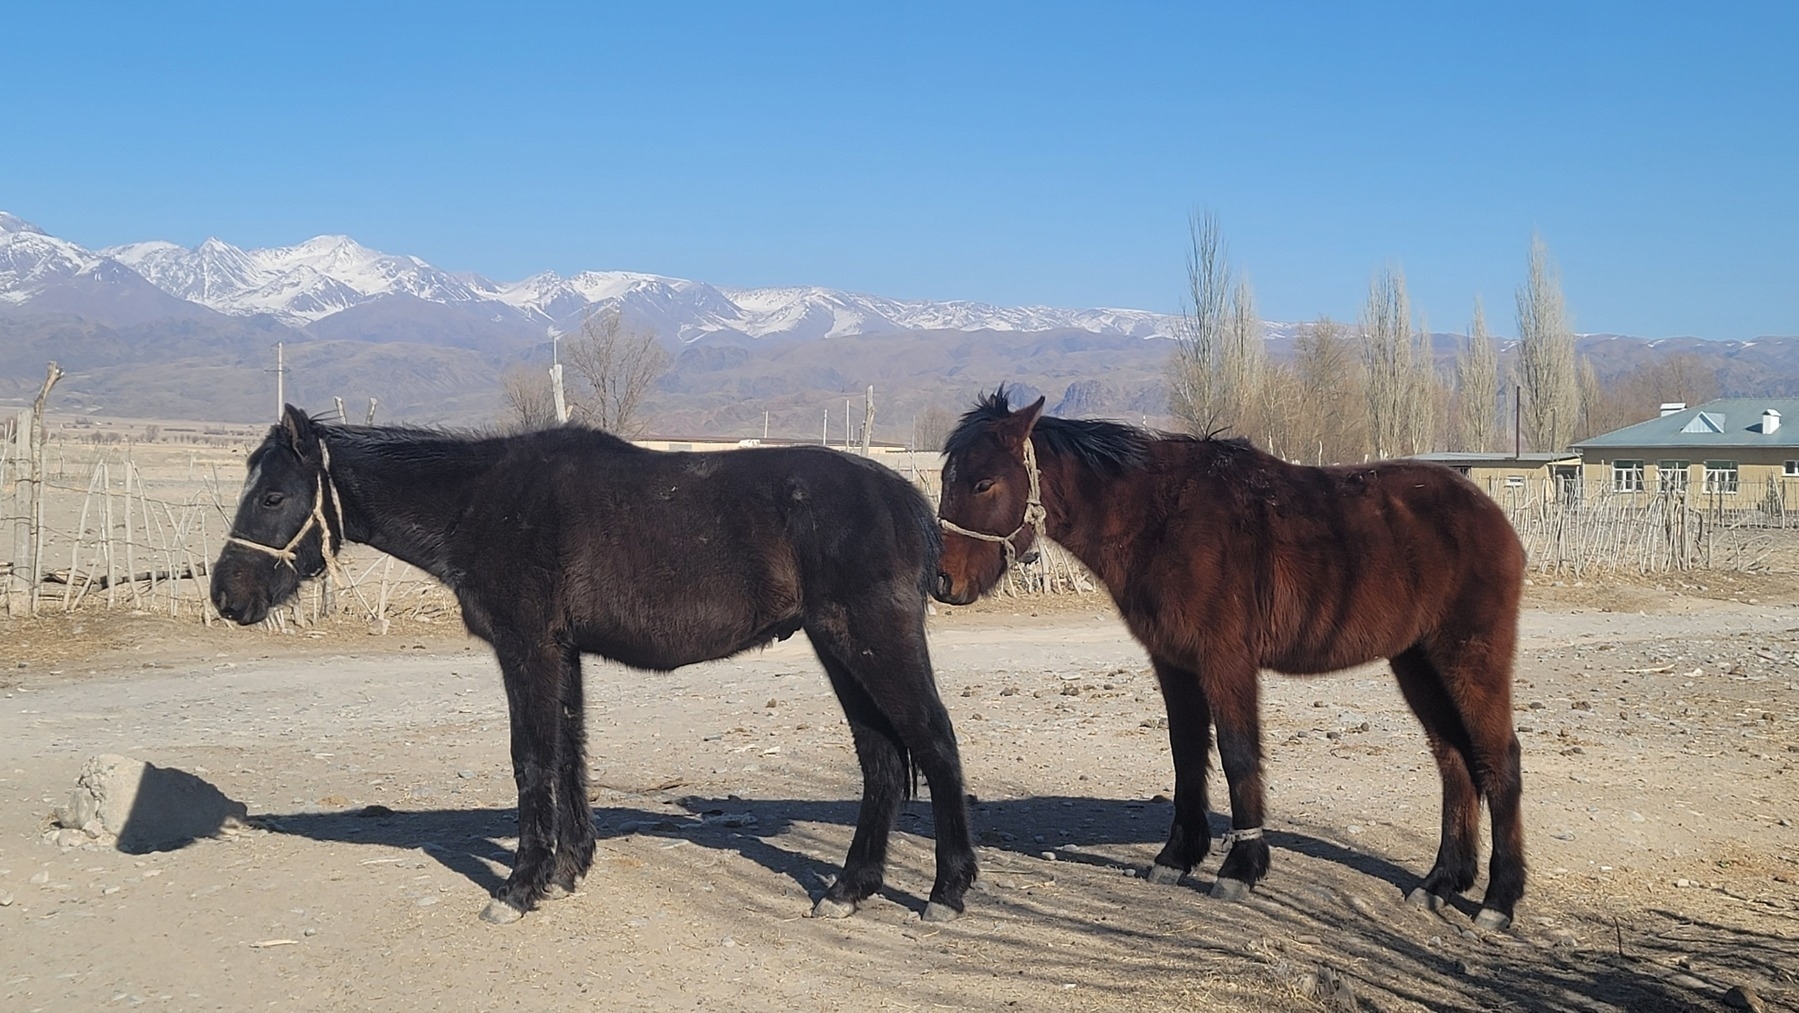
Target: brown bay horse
1224	560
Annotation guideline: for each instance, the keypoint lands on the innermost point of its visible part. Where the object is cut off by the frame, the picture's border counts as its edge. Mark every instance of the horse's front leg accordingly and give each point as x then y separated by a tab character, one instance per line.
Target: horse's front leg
1232	689
534	676
574	813
1190	737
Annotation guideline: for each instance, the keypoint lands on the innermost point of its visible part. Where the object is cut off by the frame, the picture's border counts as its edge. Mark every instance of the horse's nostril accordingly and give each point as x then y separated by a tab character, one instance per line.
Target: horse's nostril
942	584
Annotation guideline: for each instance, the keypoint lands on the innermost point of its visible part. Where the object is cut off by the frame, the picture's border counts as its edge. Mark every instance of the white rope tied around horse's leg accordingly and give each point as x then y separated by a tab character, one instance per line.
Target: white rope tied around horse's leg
1232	836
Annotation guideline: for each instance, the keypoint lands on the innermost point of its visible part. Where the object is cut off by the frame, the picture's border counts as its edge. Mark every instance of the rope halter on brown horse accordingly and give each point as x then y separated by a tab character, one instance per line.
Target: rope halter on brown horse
1034	513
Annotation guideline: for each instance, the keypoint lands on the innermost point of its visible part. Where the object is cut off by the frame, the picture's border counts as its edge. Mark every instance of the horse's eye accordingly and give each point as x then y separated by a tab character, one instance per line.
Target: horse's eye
273	499
983	485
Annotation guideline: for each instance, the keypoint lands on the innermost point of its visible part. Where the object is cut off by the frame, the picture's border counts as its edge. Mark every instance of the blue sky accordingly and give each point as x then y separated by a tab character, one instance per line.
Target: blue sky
1016	154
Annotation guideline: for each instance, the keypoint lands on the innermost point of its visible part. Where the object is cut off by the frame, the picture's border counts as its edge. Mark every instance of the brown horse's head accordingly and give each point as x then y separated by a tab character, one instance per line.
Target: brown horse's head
280	534
988	511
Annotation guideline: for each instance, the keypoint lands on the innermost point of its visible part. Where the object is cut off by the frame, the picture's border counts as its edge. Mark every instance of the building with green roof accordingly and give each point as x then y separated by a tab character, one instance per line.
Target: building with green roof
1737	451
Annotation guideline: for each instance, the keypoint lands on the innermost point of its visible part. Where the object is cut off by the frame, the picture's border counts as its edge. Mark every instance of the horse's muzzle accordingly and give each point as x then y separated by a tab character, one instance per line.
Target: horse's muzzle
241	613
944	591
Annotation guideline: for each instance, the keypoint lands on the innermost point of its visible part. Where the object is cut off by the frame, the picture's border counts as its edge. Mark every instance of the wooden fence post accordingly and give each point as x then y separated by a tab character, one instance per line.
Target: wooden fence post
34	558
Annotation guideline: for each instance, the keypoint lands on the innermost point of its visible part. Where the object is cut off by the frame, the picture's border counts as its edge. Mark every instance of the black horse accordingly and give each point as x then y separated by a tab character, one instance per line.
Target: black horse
571	541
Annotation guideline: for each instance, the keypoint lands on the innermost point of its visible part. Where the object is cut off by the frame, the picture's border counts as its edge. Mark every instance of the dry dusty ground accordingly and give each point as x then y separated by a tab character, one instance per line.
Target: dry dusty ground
1661	733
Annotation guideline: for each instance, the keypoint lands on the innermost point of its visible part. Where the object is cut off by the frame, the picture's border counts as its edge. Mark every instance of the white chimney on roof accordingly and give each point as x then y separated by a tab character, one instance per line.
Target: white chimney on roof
1670	407
1770	421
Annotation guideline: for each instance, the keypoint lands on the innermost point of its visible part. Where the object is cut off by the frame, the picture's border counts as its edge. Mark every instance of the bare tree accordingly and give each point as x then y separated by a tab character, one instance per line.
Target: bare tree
1197	394
1424	393
1387	355
1635	396
529	402
1243	369
1330	408
616	366
1546	364
933	427
1477	387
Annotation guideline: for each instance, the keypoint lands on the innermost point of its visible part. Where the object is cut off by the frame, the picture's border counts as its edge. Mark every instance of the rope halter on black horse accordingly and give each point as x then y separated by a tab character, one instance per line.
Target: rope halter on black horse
1034	513
286	555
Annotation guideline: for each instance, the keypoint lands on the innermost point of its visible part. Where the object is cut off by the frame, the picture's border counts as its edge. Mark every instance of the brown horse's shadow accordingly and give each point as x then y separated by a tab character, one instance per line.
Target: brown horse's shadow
475	843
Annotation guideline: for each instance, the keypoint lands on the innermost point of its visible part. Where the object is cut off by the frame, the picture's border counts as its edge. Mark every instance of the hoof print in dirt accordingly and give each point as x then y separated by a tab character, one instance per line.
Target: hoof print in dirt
498	912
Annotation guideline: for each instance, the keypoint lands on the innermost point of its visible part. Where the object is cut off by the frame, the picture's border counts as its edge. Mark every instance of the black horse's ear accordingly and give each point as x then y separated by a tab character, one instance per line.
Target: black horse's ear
296	429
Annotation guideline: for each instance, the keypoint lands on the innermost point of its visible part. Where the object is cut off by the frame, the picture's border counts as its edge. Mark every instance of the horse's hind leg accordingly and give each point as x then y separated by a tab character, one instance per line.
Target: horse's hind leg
574	814
1455	868
883	762
884	681
1190	737
535	675
1477	676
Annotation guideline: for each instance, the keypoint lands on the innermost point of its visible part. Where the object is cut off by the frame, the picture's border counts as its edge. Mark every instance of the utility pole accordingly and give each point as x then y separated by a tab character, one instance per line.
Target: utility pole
824	435
556	378
868	418
765	425
280	379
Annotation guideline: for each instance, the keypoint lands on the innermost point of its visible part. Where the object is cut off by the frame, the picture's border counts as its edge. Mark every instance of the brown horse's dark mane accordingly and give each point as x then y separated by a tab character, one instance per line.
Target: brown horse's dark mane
1106	447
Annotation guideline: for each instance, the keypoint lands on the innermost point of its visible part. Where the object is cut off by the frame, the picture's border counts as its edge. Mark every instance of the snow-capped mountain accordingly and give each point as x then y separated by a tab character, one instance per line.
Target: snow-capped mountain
318	279
299	284
42	273
31	260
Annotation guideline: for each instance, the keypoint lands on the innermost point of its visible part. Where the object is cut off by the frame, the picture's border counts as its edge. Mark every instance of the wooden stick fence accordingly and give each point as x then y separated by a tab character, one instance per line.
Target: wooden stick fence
123	522
151	540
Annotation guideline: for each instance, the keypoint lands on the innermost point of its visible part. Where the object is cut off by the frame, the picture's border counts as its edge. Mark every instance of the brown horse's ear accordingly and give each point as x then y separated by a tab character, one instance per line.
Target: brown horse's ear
296	429
1018	425
1032	412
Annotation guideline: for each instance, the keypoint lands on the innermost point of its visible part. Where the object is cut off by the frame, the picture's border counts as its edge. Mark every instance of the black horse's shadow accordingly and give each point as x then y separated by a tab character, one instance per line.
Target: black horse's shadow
472	842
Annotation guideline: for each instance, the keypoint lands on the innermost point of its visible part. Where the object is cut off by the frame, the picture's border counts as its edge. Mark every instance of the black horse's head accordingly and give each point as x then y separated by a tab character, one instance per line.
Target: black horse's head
286	522
988	487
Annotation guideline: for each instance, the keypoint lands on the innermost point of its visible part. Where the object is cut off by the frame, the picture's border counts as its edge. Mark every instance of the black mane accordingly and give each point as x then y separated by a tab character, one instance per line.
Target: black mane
1104	446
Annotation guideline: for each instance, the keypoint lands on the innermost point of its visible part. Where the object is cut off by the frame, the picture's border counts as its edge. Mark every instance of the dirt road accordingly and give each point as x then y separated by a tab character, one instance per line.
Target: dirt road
1661	735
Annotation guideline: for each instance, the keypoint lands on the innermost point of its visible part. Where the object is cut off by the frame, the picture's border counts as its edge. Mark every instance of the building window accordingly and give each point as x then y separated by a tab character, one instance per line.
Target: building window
1720	476
1790	469
1671	476
1627	476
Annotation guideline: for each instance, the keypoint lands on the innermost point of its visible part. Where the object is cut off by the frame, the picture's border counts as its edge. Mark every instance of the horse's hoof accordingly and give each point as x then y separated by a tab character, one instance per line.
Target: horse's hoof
1490	920
1229	889
1422	898
1164	875
498	912
935	912
828	908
